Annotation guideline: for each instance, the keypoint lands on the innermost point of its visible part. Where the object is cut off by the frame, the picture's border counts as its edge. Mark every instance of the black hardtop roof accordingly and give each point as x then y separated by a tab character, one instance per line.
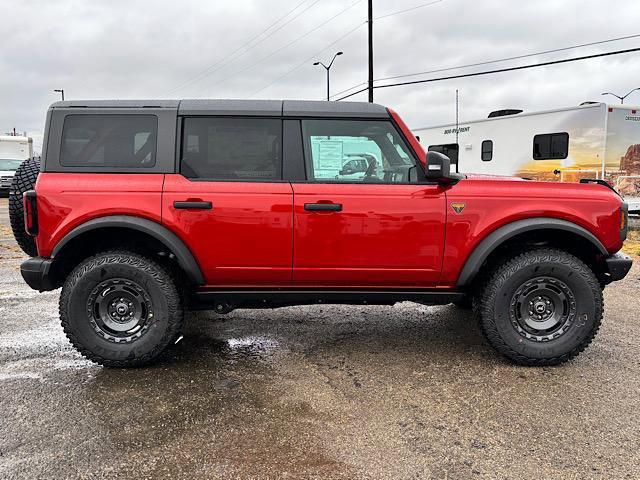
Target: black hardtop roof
295	108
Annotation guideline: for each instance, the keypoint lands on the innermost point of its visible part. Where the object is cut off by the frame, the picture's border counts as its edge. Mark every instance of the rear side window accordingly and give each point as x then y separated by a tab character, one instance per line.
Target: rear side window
119	141
232	148
551	146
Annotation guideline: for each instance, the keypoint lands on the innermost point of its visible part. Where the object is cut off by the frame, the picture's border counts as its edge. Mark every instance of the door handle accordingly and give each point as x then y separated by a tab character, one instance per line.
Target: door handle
192	205
323	207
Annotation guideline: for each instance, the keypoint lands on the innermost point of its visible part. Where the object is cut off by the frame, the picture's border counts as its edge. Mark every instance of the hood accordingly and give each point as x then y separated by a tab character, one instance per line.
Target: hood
479	176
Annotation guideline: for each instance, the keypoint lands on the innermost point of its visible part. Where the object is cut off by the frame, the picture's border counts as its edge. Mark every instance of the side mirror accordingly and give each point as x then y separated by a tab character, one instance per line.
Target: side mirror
439	169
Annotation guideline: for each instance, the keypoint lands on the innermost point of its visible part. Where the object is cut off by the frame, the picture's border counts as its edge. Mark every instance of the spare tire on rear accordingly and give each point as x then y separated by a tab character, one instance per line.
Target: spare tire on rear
23	180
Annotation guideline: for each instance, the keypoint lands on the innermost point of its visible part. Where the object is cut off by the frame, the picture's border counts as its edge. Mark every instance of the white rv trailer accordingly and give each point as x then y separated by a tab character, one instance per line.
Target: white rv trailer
593	140
13	151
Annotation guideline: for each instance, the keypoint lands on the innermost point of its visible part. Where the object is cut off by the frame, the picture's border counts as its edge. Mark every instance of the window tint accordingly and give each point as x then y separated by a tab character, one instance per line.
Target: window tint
126	141
232	148
487	151
450	150
356	151
551	146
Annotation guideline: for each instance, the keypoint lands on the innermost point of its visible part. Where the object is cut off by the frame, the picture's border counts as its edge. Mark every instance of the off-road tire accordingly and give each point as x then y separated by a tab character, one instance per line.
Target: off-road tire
81	327
23	181
500	325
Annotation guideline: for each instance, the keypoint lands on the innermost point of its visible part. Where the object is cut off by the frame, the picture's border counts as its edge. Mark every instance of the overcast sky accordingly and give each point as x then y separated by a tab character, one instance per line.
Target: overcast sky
217	49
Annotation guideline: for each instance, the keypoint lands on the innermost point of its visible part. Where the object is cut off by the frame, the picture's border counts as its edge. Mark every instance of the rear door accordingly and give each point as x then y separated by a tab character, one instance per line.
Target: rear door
229	203
383	229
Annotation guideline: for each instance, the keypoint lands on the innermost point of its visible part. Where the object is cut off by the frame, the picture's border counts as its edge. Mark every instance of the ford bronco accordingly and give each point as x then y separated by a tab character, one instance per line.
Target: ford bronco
142	210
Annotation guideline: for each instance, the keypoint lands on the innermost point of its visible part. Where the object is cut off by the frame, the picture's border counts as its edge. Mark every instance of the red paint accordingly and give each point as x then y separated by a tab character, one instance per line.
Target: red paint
384	235
491	204
246	239
387	235
411	138
70	199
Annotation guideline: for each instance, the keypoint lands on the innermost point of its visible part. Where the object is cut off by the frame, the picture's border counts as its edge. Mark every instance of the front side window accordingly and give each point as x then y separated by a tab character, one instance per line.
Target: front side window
551	146
118	141
357	151
218	148
487	151
450	150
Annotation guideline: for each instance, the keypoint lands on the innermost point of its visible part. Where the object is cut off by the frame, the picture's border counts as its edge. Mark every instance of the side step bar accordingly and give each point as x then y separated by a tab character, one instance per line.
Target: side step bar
223	301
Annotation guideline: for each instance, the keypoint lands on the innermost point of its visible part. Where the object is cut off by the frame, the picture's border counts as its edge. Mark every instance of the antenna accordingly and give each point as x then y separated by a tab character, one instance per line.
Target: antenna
457	125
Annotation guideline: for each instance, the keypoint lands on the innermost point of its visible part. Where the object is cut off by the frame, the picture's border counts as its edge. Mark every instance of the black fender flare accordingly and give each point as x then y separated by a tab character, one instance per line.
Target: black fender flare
510	230
174	244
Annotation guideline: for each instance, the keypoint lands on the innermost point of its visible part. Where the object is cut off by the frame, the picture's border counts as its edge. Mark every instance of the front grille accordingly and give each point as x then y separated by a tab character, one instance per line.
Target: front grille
5	182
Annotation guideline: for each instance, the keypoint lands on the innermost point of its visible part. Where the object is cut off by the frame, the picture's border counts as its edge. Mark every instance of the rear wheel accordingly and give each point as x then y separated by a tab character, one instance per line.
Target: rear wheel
23	181
542	307
120	309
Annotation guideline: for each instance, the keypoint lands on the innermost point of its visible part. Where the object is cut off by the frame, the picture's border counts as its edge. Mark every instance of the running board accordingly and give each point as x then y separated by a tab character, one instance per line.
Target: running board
223	301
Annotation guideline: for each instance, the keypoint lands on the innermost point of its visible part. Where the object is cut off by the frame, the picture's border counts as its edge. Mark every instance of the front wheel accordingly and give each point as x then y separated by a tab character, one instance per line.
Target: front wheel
120	309
542	307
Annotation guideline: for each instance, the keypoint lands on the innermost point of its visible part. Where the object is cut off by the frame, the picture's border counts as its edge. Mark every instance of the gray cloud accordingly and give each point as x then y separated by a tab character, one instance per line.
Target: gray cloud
145	49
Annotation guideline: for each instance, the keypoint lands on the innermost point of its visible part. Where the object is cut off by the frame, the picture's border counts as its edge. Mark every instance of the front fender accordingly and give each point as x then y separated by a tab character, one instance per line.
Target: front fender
496	238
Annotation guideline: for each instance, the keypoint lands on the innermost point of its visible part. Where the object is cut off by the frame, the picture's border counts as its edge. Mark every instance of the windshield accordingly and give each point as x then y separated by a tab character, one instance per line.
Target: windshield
9	163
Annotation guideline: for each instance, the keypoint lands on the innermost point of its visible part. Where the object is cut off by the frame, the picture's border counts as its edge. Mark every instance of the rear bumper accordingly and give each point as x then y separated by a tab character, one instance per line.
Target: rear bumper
617	266
37	273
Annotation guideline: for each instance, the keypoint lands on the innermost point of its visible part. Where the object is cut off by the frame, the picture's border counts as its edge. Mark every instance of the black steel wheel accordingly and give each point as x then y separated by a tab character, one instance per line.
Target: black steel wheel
120	309
542	307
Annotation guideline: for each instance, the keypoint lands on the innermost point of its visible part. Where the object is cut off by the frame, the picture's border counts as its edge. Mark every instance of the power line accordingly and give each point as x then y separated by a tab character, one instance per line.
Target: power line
501	70
347	89
211	68
301	64
510	58
278	50
488	62
407	10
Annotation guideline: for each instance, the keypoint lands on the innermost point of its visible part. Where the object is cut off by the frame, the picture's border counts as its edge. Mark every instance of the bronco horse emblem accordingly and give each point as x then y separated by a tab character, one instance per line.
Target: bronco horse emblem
458	207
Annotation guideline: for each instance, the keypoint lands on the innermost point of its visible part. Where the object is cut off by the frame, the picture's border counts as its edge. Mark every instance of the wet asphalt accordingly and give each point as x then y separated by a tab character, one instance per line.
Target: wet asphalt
403	392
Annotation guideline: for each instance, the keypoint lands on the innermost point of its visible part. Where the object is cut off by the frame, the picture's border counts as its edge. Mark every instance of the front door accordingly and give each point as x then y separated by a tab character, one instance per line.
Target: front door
229	203
381	228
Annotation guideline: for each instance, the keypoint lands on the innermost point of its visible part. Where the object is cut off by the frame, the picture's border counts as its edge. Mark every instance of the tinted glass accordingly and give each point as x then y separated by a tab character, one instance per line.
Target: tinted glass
551	146
487	150
450	150
356	151
232	148
126	141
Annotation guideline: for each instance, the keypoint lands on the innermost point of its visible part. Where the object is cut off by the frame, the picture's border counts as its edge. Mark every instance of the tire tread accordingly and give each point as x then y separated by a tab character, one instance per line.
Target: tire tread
502	275
160	275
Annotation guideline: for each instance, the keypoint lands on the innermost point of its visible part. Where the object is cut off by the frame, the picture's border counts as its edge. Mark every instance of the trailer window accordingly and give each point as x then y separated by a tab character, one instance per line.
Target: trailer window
450	150
551	146
487	151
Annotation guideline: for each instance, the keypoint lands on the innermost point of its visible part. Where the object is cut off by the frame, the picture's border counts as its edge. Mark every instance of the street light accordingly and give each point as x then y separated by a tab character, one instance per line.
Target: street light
327	69
621	98
61	91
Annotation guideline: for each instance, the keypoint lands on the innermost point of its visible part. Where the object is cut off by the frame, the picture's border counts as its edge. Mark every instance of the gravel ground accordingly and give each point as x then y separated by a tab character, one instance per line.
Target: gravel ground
315	392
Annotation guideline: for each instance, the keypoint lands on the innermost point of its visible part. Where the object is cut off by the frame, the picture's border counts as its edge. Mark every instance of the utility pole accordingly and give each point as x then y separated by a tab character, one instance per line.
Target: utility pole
371	51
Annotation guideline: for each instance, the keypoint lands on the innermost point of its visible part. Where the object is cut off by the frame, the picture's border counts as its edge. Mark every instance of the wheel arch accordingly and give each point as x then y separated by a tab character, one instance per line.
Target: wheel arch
143	228
542	229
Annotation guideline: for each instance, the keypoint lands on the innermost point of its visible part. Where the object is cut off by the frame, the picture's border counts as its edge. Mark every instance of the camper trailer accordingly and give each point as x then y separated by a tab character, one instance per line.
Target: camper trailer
593	140
13	151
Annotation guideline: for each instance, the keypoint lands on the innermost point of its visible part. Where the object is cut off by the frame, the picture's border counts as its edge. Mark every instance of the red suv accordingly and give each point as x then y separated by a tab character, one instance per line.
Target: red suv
145	209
